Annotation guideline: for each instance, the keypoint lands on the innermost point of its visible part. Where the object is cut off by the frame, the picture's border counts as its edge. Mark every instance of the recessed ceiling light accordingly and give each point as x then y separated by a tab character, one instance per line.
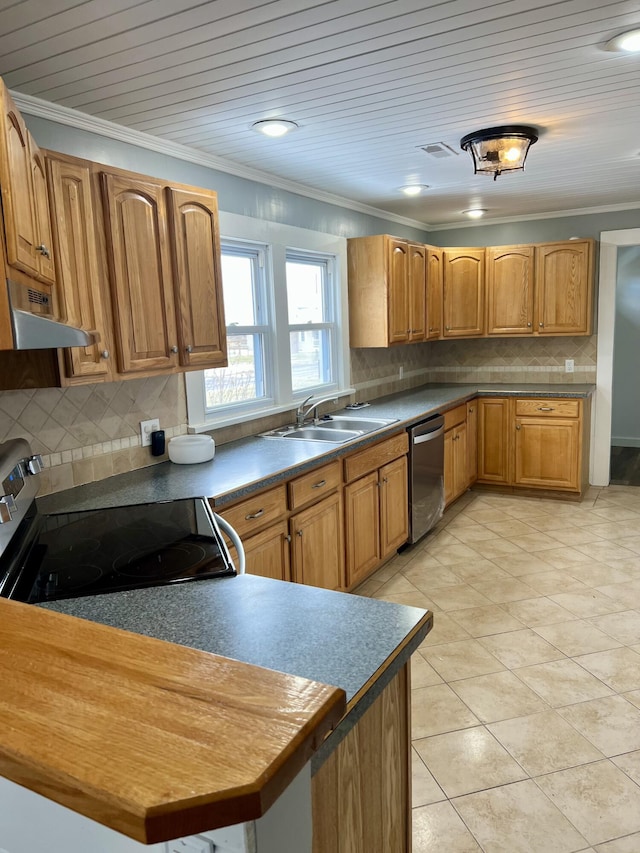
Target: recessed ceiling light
274	126
413	189
628	42
475	212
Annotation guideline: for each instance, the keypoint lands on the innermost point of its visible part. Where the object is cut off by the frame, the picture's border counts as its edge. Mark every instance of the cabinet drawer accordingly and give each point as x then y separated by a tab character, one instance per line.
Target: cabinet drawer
374	457
550	408
257	512
455	416
315	485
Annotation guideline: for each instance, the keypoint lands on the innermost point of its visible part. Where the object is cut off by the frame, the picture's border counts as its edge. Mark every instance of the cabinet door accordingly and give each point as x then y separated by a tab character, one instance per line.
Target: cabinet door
417	291
493	440
16	184
78	272
397	281
140	270
44	246
564	288
434	293
449	466
509	292
198	278
547	453
362	527
463	292
317	544
394	513
460	463
472	442
267	553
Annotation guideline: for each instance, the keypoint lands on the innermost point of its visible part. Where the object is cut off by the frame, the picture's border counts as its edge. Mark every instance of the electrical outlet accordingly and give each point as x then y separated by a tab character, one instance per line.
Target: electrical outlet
146	428
568	365
193	844
401	372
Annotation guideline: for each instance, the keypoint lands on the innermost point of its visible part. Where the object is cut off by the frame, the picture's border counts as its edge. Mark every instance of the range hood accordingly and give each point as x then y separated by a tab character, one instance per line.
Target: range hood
34	325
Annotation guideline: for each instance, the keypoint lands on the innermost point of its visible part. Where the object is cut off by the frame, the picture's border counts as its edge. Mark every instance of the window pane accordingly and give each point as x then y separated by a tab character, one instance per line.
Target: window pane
242	379
238	289
305	292
310	359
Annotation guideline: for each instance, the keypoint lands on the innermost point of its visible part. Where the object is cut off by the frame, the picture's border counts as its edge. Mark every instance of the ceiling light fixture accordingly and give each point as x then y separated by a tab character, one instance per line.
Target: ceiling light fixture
628	42
414	189
274	126
475	212
499	149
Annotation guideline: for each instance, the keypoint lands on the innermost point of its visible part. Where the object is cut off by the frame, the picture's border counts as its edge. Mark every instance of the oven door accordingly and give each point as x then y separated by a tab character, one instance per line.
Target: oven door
118	548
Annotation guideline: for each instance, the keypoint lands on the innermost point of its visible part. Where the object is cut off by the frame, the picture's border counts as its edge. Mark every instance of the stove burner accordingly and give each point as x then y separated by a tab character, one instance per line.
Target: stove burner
77	550
60	576
172	561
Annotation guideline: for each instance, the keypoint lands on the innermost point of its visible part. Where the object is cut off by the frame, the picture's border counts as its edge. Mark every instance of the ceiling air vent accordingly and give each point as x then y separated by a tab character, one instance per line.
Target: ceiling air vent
438	150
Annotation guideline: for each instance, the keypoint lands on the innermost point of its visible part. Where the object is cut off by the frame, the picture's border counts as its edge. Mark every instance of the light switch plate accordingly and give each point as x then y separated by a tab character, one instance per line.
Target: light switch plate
146	428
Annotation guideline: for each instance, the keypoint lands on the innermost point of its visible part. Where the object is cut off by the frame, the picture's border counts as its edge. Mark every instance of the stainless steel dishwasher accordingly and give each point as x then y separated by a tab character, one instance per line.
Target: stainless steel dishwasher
426	476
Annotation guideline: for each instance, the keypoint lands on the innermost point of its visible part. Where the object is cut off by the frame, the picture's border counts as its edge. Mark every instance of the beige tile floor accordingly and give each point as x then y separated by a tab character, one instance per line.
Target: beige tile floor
526	693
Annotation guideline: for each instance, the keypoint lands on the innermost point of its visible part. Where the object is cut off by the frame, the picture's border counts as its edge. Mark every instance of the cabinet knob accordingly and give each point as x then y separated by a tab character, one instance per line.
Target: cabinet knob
43	250
541	325
189	348
174	348
447	328
105	353
518	426
409	331
528	325
288	537
299	532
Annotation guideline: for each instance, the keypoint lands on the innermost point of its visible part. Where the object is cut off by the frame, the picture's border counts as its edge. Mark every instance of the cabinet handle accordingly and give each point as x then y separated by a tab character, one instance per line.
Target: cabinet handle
319	485
517	426
471	408
189	348
528	325
545	408
174	348
288	537
385	479
447	329
254	515
105	353
299	532
541	325
43	250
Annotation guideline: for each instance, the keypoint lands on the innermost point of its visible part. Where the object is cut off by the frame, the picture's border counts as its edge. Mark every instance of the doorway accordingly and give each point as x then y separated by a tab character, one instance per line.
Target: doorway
610	243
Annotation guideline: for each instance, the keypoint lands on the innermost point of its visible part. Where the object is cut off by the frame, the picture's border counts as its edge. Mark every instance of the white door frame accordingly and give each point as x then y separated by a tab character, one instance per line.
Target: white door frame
610	241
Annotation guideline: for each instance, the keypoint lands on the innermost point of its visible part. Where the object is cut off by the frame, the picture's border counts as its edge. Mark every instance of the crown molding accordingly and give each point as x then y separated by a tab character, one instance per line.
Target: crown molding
82	121
556	214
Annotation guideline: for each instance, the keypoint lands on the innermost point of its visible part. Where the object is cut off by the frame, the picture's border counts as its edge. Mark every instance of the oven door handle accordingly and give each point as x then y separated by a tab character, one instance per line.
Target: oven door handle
235	539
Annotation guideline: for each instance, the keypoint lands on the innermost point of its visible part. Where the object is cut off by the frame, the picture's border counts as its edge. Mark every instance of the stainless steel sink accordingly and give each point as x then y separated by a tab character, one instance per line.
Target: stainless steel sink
339	429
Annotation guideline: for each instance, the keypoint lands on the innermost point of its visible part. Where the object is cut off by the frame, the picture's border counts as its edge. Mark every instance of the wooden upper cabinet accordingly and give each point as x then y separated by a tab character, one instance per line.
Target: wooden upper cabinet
434	293
509	290
81	292
463	310
140	272
195	241
564	287
417	284
398	283
27	222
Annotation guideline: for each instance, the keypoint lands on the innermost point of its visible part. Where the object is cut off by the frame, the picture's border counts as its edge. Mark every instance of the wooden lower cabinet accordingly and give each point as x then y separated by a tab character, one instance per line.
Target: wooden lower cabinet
472	441
537	443
317	544
456	469
267	553
361	795
376	506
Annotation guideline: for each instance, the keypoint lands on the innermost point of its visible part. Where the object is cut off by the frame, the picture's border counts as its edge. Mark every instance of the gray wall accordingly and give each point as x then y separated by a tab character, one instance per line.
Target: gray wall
235	195
625	420
538	230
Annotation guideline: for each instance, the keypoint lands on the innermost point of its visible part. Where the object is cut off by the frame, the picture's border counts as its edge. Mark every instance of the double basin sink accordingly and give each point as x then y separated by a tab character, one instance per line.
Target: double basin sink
336	429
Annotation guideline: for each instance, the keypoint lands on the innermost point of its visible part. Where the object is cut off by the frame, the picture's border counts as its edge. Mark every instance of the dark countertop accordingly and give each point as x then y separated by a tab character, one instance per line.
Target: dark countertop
352	642
243	466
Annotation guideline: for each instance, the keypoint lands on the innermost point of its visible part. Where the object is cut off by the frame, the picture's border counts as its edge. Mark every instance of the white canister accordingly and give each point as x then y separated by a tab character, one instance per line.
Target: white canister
189	449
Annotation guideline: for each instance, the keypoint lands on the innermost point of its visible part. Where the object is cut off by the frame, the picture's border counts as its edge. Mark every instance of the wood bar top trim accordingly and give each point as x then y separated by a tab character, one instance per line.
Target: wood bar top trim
152	739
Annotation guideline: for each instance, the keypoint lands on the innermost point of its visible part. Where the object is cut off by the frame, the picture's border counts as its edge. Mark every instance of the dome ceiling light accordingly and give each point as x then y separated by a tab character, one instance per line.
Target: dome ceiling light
413	189
475	212
274	127
499	149
628	42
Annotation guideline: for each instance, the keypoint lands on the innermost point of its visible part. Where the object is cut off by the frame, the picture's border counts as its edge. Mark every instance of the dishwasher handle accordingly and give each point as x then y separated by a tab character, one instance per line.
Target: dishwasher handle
428	436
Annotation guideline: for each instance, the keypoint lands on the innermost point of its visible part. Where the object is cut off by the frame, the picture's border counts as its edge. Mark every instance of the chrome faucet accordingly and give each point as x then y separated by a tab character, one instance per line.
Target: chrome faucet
302	414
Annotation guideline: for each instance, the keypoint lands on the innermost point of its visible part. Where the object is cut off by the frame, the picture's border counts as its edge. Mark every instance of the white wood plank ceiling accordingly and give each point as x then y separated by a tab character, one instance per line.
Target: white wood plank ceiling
368	81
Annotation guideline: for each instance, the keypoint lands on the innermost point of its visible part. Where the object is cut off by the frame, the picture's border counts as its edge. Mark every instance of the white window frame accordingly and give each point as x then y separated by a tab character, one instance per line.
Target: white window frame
279	240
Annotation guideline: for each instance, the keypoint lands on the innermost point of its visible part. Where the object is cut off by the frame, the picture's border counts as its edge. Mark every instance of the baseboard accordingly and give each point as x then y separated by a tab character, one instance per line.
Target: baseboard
624	441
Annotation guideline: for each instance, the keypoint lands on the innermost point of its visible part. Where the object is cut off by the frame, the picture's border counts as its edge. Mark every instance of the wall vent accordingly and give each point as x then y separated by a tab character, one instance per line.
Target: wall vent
438	150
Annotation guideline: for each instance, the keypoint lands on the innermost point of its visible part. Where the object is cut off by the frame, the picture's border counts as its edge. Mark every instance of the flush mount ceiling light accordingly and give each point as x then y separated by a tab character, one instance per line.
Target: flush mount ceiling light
628	42
499	149
274	126
475	212
413	189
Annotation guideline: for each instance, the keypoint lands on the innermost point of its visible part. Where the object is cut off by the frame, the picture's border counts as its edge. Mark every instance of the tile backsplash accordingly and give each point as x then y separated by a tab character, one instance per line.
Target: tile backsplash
90	432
